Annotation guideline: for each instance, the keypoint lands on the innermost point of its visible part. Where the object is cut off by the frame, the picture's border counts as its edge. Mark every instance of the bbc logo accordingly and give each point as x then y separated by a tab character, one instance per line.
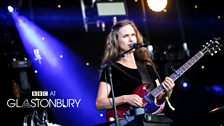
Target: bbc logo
39	93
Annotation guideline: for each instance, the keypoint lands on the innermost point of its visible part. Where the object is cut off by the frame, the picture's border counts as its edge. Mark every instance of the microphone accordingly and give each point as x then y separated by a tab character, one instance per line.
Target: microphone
137	45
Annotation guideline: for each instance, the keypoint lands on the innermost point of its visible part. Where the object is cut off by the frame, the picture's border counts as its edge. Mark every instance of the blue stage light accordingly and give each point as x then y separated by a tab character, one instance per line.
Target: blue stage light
10	9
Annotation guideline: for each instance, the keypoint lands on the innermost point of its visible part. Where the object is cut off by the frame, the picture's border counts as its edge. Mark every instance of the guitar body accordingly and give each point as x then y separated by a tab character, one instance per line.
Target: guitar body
148	99
121	109
148	103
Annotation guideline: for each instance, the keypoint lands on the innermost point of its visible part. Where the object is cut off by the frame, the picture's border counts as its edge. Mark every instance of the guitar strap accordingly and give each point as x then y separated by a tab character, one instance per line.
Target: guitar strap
145	76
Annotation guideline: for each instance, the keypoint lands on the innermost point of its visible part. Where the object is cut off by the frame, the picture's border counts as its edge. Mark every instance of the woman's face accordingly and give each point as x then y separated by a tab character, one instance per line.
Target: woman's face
126	35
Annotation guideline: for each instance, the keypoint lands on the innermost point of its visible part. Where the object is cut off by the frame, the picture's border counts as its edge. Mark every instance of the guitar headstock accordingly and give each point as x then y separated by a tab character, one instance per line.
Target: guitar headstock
212	47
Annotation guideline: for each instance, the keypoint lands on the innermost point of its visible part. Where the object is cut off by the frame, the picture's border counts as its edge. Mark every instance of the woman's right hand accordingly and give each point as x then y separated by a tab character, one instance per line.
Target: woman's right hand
133	100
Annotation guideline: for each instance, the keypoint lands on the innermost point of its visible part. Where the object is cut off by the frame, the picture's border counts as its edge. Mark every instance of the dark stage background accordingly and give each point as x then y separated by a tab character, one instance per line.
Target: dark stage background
165	31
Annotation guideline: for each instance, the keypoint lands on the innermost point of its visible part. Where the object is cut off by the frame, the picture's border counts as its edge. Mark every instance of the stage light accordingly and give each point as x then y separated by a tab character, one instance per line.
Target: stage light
217	89
69	77
157	5
185	85
101	11
150	50
10	9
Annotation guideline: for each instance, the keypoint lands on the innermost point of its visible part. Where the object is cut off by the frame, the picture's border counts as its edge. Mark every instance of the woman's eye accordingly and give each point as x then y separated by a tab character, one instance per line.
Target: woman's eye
125	36
133	34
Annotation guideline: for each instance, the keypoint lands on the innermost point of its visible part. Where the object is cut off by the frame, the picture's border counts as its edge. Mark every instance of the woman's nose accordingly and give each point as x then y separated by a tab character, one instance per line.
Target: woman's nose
131	39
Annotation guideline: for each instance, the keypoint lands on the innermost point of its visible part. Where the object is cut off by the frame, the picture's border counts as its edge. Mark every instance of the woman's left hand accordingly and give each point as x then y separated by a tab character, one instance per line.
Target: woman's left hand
168	85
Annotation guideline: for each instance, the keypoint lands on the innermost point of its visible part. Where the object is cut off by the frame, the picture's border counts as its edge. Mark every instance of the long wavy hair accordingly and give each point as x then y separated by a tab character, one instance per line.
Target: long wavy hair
112	49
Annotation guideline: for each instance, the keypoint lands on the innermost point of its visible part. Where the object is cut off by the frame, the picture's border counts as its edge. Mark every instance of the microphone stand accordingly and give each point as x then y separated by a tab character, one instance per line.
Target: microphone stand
111	82
33	117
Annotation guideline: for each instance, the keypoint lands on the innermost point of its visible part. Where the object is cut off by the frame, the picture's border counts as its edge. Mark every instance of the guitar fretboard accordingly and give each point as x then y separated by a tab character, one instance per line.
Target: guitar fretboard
156	91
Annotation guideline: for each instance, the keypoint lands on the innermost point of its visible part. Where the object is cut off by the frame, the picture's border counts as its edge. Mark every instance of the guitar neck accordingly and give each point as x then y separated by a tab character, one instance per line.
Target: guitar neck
159	89
186	66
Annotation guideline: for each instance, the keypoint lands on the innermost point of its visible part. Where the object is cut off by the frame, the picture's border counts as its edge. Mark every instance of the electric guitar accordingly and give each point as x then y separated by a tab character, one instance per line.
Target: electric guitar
211	47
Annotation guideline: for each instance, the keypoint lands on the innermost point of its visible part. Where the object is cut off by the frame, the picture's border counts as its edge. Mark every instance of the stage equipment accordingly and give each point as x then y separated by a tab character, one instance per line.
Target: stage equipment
100	11
107	8
142	120
37	120
21	63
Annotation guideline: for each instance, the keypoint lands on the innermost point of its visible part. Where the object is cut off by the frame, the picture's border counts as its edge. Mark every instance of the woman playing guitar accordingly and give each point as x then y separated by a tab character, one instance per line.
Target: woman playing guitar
129	89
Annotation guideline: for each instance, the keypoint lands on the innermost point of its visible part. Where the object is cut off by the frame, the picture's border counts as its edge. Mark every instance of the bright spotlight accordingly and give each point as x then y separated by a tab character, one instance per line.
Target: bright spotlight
10	9
157	5
185	85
